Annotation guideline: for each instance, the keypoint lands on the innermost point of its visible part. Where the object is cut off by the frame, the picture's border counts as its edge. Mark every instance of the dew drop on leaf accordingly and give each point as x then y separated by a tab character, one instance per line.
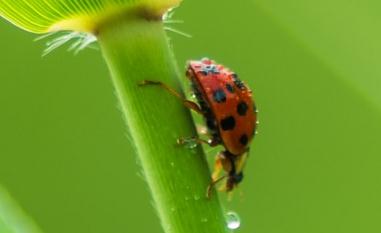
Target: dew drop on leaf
204	220
196	197
232	220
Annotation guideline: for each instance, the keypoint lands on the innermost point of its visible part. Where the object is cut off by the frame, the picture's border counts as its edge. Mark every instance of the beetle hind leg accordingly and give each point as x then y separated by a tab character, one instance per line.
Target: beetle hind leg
221	163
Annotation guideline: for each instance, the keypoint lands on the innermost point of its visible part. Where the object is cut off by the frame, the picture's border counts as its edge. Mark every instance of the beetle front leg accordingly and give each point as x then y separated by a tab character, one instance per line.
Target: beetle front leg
187	103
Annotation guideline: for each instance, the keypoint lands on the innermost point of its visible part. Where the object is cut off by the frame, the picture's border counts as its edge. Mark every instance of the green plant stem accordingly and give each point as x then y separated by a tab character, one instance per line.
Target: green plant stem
137	49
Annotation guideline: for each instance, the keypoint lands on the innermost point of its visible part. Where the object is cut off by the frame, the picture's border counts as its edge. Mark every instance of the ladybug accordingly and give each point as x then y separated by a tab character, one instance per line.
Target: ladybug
230	115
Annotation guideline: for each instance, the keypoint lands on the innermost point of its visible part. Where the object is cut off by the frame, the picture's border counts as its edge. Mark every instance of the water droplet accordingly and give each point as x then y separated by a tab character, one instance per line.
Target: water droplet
196	197
191	145
204	220
233	221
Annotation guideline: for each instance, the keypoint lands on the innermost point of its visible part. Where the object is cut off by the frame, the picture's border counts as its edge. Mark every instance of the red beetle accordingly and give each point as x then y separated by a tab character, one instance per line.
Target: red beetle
230	115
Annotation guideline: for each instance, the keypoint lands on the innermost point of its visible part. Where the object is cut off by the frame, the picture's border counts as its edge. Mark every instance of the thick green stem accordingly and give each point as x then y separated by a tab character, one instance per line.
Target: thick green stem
137	49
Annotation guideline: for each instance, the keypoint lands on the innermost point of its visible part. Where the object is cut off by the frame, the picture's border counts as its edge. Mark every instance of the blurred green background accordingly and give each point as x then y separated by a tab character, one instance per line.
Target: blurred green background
315	67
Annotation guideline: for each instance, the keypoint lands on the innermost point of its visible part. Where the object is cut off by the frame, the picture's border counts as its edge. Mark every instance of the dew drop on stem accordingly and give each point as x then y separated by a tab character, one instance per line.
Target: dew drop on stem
232	220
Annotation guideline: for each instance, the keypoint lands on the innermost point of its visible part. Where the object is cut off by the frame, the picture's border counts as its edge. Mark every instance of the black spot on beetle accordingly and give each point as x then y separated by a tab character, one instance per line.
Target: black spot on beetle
238	82
219	96
230	88
244	139
242	108
228	123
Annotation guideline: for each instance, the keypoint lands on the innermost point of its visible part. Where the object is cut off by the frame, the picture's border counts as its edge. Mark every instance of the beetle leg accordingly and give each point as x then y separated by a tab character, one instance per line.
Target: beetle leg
221	163
211	185
196	140
189	104
202	129
217	166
